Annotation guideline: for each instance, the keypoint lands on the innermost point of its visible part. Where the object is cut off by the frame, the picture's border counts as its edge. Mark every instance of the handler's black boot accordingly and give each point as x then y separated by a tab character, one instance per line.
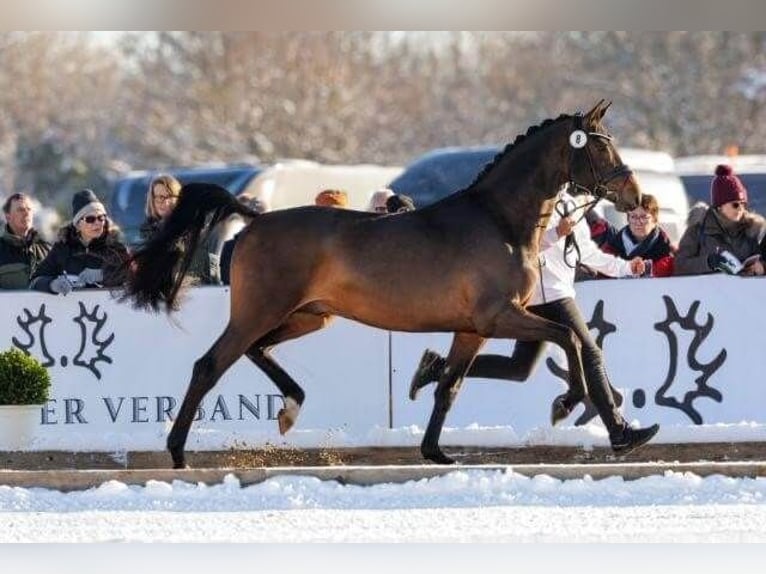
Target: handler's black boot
429	370
629	439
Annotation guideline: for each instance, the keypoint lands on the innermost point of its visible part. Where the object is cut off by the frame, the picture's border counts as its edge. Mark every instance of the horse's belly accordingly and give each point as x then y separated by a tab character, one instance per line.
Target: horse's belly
408	315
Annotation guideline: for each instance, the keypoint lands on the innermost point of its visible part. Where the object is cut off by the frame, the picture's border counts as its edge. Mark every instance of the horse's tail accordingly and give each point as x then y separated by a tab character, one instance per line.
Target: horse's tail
159	266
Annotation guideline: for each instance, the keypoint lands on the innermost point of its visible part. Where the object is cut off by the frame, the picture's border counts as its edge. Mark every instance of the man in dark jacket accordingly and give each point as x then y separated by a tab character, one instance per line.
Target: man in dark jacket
21	247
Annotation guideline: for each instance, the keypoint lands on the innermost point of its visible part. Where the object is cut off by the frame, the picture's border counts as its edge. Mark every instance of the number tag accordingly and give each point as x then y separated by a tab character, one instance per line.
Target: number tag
578	139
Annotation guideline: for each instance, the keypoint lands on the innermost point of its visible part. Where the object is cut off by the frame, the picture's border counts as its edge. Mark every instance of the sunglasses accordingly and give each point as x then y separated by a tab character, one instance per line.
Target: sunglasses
164	198
738	204
94	218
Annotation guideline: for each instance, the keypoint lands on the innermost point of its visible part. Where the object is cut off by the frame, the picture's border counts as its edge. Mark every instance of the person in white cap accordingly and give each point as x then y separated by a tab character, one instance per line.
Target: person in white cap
88	252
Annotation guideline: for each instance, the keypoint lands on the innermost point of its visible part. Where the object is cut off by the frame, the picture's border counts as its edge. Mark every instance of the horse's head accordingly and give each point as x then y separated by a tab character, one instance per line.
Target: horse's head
595	166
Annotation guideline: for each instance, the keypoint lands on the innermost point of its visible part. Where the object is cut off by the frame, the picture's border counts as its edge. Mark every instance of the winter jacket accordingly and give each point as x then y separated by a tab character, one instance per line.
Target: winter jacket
19	257
708	232
556	272
656	246
204	267
69	256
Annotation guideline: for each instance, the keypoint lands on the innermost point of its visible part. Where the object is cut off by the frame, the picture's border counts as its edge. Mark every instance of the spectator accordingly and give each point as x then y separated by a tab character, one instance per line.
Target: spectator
228	247
378	200
332	198
553	299
161	199
399	203
724	236
21	246
641	237
88	252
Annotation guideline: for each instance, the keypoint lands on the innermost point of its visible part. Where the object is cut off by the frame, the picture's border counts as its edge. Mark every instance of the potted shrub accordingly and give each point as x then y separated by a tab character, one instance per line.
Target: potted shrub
24	388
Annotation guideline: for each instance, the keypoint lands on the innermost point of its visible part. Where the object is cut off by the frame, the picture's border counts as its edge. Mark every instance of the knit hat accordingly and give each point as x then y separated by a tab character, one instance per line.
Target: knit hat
378	199
332	198
726	187
85	202
400	202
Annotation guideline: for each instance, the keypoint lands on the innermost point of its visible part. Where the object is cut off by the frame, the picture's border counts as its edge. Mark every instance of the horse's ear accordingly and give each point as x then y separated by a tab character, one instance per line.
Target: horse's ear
598	111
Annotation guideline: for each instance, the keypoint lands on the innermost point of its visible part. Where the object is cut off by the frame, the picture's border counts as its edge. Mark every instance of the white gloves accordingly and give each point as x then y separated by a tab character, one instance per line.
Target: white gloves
90	276
61	285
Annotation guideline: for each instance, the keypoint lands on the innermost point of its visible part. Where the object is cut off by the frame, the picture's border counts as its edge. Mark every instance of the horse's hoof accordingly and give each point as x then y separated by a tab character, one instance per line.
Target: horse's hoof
286	416
559	410
285	423
180	466
438	457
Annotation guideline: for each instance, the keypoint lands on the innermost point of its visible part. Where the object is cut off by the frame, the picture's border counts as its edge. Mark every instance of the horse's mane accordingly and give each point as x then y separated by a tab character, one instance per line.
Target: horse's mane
508	148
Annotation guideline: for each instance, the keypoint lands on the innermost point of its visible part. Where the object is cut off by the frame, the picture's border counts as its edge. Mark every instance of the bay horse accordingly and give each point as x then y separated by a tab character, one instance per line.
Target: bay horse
465	264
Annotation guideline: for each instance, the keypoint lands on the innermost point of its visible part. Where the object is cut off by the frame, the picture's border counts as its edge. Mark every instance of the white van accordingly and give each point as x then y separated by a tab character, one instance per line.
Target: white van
293	183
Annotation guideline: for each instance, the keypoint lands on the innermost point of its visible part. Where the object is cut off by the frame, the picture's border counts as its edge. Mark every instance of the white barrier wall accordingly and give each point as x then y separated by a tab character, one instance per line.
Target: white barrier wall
684	351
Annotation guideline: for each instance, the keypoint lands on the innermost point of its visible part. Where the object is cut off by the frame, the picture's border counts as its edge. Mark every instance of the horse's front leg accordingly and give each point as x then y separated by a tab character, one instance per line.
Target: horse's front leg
461	355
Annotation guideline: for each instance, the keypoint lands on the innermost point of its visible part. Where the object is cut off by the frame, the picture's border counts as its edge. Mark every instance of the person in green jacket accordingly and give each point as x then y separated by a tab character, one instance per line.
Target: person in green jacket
21	246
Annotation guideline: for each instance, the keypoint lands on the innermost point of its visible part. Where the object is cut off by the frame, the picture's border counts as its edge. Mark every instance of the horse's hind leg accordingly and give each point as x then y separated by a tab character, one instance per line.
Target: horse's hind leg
517	323
207	370
461	355
297	325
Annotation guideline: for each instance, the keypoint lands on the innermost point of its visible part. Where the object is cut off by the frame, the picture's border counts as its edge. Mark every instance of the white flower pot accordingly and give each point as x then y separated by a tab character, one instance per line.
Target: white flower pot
17	426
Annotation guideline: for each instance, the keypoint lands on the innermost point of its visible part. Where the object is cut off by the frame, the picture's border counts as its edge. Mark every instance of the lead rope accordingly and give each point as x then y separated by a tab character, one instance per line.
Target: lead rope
565	208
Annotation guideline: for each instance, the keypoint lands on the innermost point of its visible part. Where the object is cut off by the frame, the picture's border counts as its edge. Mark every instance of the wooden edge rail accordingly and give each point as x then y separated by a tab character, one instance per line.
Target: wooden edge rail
73	480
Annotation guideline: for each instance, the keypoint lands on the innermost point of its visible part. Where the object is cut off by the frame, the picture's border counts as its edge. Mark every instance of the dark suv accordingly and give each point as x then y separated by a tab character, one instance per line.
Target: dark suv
440	172
128	197
443	171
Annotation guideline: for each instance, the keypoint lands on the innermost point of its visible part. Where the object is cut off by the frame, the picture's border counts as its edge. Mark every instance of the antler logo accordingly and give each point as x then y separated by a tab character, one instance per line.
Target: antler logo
36	323
92	345
701	331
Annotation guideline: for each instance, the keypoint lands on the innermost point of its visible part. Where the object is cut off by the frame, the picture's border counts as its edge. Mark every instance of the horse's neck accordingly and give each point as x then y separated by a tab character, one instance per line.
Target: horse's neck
524	202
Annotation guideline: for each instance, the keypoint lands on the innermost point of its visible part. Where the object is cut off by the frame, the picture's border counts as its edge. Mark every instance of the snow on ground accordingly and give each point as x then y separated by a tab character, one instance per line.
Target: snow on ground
462	506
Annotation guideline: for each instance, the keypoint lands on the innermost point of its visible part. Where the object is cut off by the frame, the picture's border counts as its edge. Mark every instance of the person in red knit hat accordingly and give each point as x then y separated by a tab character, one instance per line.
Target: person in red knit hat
723	236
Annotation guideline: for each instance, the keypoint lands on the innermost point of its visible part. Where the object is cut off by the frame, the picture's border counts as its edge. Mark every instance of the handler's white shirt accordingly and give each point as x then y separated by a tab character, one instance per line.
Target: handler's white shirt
558	277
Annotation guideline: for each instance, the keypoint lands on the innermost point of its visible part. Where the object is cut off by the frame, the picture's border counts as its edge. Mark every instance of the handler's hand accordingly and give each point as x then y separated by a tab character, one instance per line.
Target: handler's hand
637	266
565	226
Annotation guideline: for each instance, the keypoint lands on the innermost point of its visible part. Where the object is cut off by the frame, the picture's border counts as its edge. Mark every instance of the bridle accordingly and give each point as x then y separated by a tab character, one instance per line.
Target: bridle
578	141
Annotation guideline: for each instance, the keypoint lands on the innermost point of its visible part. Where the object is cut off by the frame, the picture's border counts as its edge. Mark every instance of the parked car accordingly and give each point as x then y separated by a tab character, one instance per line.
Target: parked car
443	171
129	193
697	173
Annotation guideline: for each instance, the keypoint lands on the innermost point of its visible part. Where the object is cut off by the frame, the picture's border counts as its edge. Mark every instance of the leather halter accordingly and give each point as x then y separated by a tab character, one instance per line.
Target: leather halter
600	187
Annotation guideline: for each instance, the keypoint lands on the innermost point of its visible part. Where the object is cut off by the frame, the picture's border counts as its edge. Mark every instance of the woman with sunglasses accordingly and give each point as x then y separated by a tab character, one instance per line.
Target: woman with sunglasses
88	252
724	236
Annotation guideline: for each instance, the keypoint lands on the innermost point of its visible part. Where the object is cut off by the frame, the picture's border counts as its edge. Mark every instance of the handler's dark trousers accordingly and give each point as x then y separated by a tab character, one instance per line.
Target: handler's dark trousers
526	354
